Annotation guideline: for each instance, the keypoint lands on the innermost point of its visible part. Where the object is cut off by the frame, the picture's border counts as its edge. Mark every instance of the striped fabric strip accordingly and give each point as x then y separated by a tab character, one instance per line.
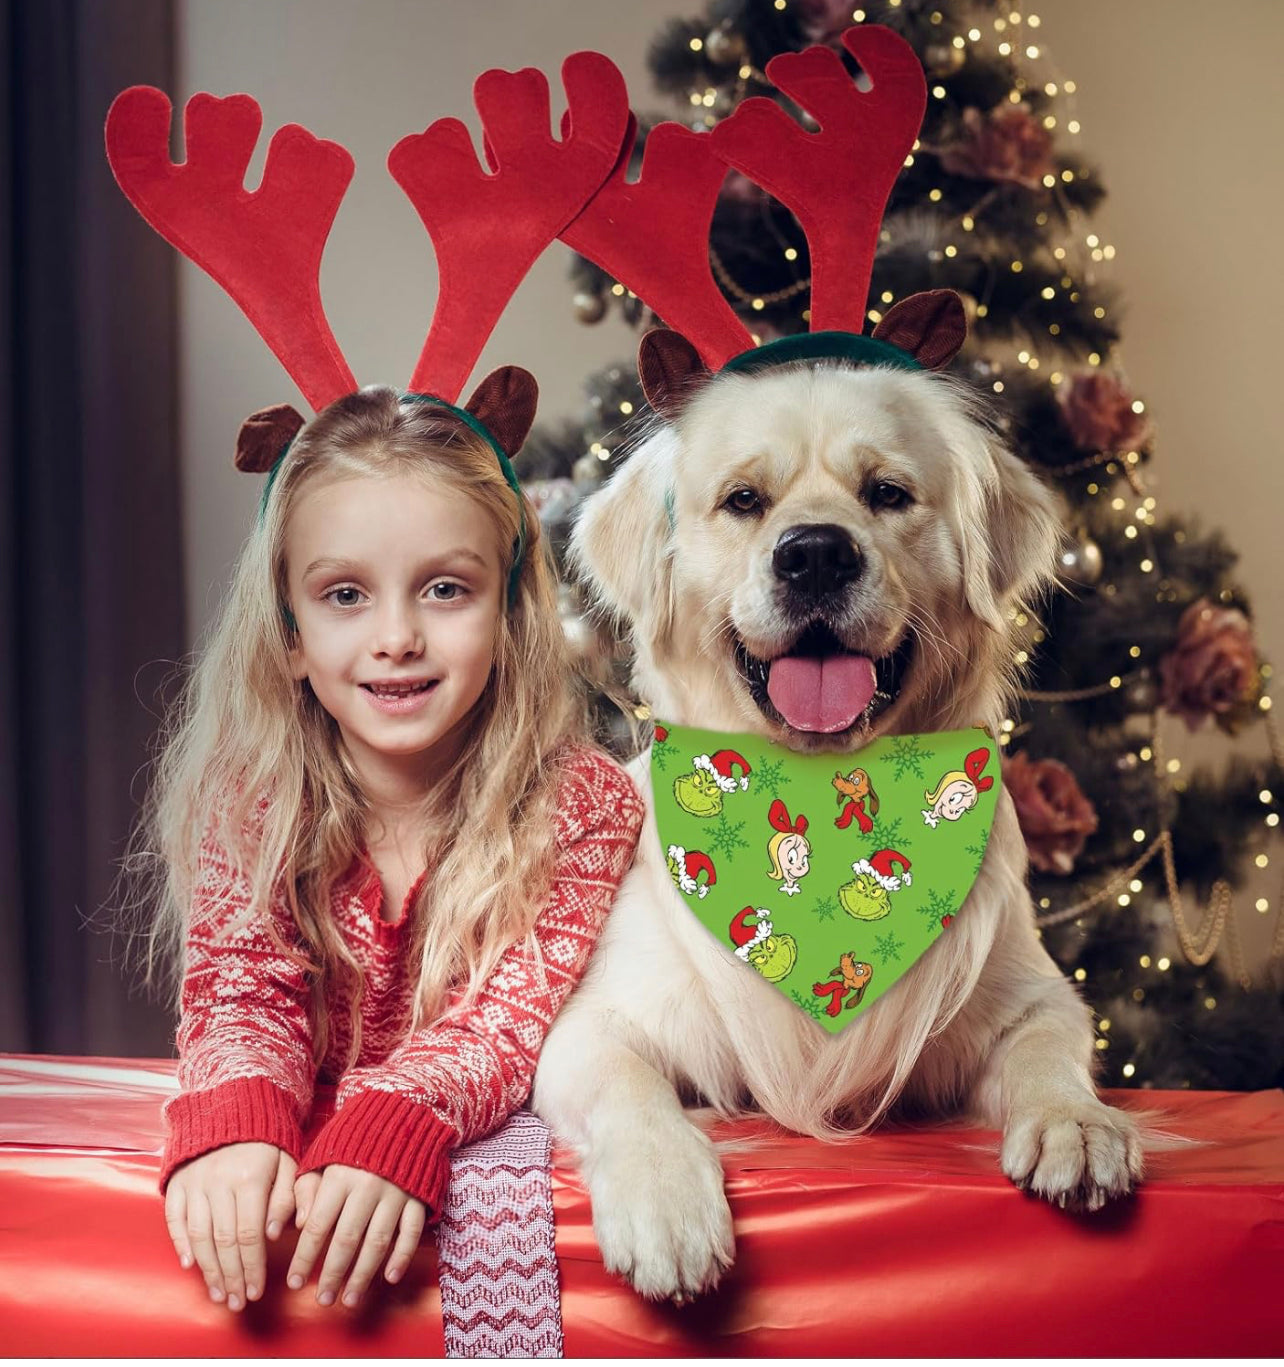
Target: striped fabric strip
498	1266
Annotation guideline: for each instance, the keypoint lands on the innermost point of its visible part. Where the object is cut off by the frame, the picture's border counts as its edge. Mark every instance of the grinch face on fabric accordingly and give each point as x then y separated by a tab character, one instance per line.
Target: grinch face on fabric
774	957
698	794
865	898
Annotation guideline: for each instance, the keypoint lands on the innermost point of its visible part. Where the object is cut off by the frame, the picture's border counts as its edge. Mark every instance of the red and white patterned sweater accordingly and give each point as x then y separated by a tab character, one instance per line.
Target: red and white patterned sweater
244	1040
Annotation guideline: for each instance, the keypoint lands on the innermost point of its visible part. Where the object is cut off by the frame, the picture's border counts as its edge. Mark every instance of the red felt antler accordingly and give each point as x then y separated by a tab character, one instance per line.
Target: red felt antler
653	236
836	181
263	247
487	229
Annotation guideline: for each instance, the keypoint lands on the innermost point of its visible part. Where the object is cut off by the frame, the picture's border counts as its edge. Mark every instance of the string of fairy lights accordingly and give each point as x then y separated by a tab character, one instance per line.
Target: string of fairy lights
1117	486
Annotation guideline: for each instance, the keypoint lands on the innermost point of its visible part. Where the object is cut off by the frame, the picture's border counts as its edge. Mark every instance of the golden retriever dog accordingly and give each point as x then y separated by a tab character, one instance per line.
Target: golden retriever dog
828	511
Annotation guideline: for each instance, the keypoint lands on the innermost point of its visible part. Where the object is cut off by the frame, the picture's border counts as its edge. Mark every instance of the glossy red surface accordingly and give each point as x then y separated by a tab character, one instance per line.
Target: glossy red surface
909	1242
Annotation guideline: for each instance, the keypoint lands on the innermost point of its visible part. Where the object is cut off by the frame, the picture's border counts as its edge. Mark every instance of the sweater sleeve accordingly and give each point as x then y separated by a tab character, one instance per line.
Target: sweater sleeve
458	1080
245	1067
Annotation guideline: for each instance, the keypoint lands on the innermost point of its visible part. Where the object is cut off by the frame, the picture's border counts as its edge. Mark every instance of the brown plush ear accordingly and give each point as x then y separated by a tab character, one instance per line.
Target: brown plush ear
931	326
669	368
505	401
263	436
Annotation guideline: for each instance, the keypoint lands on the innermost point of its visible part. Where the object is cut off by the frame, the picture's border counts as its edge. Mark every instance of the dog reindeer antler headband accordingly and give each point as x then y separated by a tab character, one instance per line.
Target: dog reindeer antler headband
487	227
652	235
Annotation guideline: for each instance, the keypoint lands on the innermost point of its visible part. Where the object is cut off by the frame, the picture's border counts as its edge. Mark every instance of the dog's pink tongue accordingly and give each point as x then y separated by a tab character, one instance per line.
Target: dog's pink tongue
821	695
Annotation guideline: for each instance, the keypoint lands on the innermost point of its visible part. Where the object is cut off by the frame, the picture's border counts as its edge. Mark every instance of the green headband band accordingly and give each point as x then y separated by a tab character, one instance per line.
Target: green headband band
819	346
506	466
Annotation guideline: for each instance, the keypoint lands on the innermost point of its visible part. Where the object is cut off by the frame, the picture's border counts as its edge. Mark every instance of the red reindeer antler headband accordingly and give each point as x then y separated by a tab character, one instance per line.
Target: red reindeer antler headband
264	246
652	234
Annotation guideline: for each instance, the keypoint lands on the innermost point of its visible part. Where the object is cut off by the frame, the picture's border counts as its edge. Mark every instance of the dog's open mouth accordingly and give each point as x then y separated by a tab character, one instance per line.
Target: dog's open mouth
820	686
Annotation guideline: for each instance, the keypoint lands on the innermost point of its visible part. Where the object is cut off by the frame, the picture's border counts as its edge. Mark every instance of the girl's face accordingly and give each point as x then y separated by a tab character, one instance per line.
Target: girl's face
395	586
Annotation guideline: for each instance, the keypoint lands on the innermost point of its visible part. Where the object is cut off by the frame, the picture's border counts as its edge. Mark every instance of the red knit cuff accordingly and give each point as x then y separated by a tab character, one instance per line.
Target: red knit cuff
249	1108
393	1137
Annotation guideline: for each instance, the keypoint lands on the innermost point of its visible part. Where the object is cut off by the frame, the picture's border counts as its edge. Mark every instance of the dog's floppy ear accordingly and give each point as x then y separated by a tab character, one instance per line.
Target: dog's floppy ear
670	369
1011	539
620	545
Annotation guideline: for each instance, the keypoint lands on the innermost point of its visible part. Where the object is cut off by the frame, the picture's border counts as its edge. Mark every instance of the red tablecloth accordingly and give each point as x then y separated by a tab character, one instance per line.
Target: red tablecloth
906	1243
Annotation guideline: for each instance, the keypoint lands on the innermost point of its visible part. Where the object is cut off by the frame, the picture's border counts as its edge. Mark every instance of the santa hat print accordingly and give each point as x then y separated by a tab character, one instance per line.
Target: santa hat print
692	866
720	766
745	937
879	864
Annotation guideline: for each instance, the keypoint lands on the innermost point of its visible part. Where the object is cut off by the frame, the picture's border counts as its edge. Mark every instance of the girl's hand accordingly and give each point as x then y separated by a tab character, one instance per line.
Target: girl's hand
216	1208
366	1213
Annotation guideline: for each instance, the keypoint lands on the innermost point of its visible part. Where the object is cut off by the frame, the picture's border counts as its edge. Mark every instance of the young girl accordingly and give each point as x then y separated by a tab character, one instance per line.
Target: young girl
389	849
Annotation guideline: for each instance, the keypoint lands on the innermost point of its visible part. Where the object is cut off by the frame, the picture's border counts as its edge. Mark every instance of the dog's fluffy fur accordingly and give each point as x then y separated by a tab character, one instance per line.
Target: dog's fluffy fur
984	1024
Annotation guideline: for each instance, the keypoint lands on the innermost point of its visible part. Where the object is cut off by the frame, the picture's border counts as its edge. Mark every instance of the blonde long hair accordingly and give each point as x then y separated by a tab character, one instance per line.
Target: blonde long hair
251	756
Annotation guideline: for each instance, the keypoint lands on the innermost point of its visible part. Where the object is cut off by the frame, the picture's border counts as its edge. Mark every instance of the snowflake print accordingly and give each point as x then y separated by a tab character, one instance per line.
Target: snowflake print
938	904
727	837
811	1005
825	909
977	850
888	834
661	754
909	757
767	774
888	946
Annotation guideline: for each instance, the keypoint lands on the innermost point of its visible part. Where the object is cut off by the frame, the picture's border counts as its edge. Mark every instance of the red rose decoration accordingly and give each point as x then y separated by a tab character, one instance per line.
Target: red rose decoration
1097	412
1212	668
1056	819
1008	143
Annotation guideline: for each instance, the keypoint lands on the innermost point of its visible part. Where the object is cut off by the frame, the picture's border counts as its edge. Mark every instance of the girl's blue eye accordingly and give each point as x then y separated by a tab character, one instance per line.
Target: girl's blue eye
446	592
346	597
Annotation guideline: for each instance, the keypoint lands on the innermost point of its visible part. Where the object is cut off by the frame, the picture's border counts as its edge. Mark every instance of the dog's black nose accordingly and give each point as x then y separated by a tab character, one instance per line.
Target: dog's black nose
816	559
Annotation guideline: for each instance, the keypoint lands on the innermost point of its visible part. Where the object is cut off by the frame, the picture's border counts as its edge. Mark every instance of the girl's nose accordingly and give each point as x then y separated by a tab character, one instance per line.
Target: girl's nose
398	635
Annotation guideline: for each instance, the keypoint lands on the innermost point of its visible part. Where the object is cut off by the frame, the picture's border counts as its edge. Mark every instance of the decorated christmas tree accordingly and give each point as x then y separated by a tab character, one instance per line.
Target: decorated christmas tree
1138	867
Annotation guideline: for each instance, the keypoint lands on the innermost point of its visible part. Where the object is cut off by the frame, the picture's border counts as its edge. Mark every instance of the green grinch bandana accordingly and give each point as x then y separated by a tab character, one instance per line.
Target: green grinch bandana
827	874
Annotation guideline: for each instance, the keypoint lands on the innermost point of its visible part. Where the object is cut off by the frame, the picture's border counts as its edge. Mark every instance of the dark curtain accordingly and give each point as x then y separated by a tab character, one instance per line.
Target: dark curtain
91	607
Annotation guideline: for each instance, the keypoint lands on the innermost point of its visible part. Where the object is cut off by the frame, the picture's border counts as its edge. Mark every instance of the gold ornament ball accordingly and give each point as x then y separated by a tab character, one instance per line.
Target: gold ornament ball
589	308
724	46
1082	564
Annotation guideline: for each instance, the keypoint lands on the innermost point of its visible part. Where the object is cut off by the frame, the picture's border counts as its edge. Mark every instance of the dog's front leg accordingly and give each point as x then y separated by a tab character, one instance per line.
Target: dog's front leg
1059	1140
655	1181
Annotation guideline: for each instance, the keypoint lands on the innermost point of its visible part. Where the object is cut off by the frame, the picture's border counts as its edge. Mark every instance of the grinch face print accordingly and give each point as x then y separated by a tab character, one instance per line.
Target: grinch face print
868	897
700	792
788	849
774	956
959	790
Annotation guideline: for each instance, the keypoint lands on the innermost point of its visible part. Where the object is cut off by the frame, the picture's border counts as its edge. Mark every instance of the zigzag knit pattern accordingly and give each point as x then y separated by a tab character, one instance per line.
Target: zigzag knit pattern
496	1260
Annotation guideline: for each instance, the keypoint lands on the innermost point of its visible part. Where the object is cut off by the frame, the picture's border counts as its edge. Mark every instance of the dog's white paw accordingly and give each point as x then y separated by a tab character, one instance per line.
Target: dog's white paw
659	1211
1078	1154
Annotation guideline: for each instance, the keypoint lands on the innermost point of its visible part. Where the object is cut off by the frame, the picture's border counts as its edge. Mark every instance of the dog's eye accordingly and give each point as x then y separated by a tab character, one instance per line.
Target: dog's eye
743	501
885	494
